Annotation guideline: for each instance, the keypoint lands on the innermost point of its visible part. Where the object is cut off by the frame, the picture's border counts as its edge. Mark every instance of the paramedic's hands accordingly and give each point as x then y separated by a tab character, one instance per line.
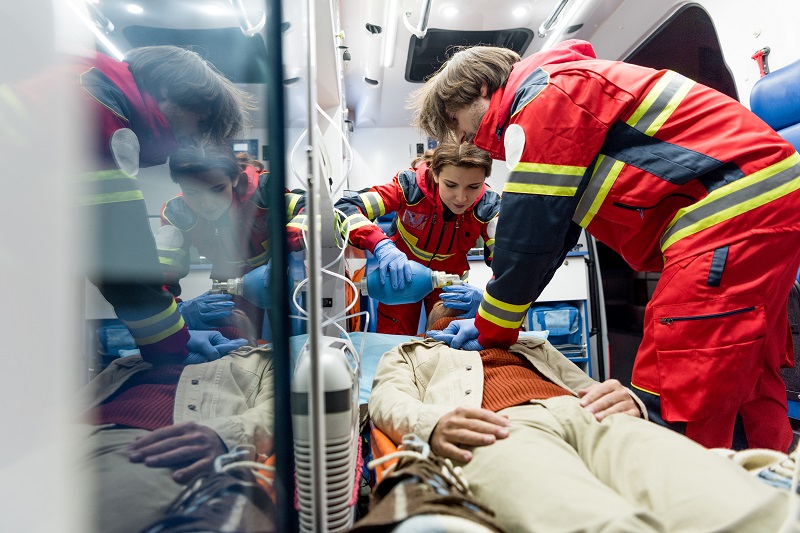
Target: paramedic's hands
392	262
206	310
188	447
608	398
207	346
459	334
467	427
465	297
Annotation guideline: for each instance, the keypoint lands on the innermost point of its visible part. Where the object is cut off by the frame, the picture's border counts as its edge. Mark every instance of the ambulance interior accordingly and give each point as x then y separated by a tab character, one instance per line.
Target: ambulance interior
331	120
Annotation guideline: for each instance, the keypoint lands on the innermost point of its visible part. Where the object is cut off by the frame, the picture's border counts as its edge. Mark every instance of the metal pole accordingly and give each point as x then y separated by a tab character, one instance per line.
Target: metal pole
317	397
286	518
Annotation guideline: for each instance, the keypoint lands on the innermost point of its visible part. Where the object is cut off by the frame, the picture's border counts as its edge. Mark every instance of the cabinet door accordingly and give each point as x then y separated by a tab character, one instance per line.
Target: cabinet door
568	283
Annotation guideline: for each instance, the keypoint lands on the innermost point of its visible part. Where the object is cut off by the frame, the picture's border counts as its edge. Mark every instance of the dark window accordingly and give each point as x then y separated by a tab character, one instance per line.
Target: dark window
687	43
426	55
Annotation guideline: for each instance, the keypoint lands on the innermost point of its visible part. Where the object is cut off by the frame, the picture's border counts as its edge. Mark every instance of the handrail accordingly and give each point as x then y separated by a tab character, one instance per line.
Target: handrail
422	27
549	23
244	21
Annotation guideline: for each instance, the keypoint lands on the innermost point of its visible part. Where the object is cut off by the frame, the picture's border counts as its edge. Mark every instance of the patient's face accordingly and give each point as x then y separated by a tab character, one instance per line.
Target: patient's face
439	311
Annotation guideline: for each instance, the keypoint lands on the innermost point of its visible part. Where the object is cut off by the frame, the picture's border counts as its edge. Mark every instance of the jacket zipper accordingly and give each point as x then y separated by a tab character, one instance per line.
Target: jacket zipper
438	243
453	237
433	225
641	210
670	320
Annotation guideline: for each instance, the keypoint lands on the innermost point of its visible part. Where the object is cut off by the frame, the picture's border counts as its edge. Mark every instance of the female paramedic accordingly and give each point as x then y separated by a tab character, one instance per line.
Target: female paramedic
223	212
443	205
672	175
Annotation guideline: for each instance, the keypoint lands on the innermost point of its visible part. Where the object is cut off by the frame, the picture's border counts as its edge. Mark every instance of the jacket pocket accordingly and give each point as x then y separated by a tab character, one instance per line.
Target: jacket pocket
709	355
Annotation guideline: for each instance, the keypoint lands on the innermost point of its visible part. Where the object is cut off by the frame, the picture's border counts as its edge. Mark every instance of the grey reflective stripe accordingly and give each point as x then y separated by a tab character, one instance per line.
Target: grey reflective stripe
372	204
596	182
542	178
157	328
502	314
727	201
660	103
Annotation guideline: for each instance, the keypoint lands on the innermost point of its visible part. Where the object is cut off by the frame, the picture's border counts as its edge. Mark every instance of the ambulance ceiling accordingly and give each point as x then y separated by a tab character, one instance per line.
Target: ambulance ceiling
373	41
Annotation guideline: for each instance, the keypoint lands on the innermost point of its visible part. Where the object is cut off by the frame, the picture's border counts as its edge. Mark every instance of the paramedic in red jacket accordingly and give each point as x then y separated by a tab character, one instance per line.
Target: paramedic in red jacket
222	211
144	108
676	178
443	205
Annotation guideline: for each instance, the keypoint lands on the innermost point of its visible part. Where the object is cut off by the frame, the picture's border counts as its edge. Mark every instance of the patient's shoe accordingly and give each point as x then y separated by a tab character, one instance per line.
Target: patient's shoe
770	466
424	493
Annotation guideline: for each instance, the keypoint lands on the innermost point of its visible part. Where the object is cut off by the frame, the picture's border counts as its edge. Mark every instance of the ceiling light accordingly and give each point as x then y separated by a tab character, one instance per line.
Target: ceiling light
136	9
448	10
213	9
520	11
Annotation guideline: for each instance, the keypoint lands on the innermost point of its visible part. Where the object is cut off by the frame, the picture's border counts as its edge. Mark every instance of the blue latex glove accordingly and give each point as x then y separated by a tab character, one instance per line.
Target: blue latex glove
204	311
207	346
394	263
465	297
256	285
459	334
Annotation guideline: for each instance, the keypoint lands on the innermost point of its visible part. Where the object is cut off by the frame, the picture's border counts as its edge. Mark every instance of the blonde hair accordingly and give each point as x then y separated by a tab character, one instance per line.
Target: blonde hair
459	155
457	84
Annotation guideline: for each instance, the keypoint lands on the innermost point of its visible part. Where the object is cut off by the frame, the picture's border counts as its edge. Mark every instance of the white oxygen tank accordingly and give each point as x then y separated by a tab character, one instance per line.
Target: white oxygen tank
340	371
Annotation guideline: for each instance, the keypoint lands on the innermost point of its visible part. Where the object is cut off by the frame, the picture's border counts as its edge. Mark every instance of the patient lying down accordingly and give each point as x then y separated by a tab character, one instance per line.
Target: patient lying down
546	448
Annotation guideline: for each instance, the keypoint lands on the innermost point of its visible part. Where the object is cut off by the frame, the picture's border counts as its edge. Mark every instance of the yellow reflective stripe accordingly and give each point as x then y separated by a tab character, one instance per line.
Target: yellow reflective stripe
669	109
292	203
736	198
411	242
605	174
524	188
112	198
140	328
548	180
660	103
259	259
298	222
103	175
501	313
152	339
373	204
489	243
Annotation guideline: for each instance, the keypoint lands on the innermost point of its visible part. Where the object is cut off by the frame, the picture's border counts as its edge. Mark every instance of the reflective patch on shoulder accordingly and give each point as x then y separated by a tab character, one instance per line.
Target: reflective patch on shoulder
102	89
514	141
410	187
179	214
487	207
125	149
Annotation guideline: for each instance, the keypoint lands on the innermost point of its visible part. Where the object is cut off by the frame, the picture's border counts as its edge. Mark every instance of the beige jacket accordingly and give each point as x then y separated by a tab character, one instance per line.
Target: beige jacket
233	395
418	382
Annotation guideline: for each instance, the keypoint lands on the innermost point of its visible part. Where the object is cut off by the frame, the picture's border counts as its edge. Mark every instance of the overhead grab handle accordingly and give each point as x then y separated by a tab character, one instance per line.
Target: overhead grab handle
425	12
550	22
244	22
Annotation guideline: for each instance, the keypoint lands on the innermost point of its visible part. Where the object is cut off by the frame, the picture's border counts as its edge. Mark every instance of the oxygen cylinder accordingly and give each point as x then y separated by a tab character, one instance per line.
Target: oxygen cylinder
423	282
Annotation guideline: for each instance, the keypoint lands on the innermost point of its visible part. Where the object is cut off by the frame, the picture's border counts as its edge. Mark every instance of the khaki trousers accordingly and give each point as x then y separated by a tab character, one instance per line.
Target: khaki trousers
562	471
124	497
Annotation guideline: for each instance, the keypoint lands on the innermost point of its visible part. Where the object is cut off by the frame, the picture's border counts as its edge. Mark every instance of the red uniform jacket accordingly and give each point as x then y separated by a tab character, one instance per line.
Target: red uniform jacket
421	229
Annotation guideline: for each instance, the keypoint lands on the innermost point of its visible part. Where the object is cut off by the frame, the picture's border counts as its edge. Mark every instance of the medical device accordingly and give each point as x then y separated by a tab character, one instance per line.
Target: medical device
340	372
423	282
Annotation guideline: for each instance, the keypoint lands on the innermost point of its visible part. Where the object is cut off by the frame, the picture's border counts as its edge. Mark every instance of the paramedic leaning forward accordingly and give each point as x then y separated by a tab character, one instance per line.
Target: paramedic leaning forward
443	205
223	211
143	109
672	175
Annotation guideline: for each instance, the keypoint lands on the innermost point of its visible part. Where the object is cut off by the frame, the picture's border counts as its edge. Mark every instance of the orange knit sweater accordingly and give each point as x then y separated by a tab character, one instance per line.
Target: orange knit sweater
509	379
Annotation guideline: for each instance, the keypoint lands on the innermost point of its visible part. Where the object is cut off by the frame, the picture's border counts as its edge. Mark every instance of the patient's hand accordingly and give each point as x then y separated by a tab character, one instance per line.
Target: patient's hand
607	398
188	445
466	426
